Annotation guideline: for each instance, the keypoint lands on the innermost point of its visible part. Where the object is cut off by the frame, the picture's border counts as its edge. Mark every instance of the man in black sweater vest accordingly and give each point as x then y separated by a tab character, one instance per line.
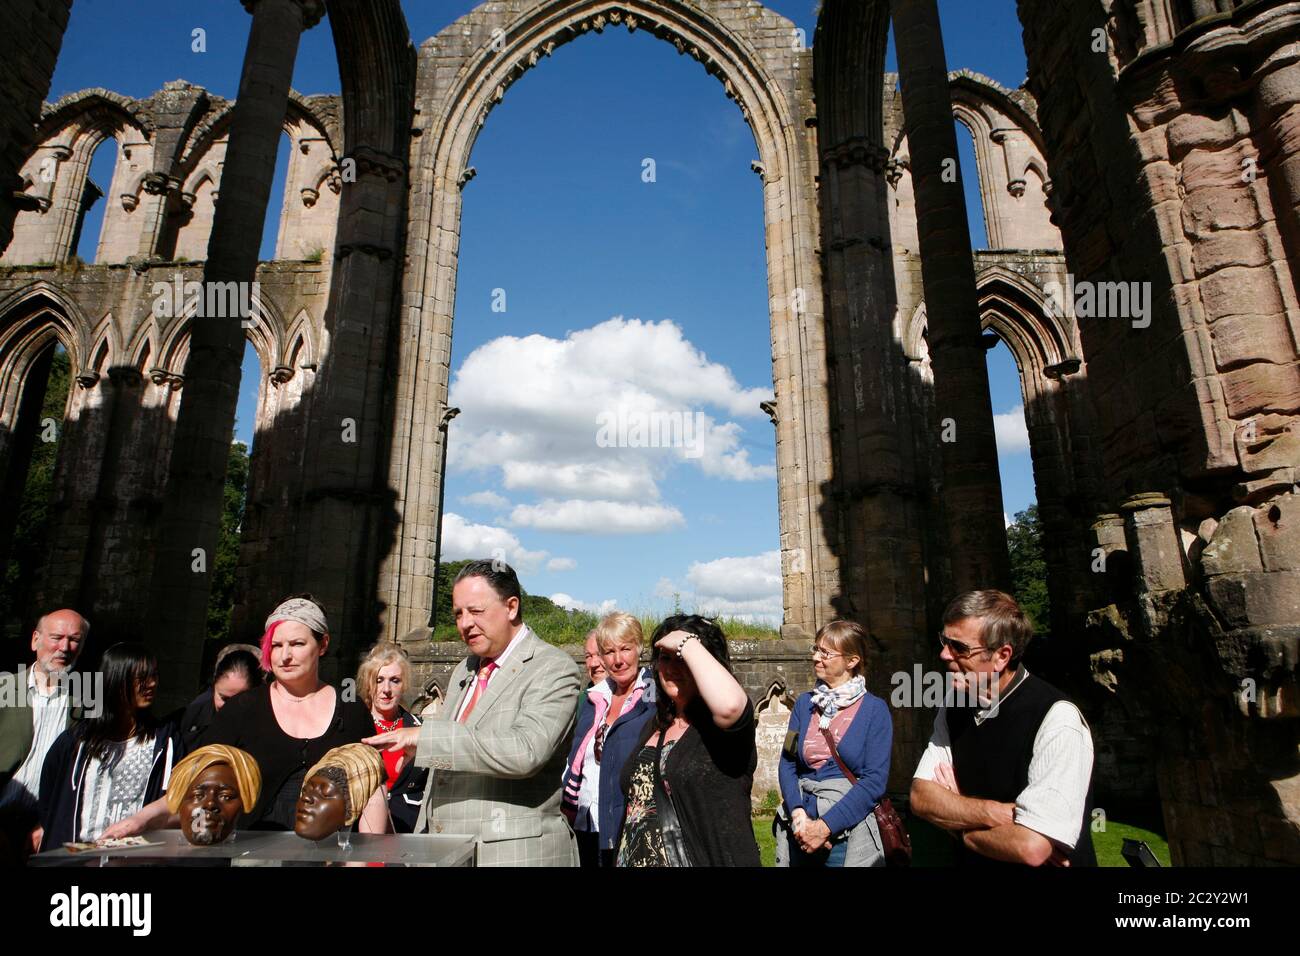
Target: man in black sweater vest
1009	766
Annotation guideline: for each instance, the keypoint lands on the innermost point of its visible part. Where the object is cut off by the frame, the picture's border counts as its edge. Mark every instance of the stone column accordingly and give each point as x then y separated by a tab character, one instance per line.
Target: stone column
28	51
971	486
191	517
1153	542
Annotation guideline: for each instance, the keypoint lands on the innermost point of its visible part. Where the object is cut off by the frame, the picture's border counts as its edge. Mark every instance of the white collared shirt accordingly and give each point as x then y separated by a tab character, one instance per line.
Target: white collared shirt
49	719
589	789
1053	800
500	662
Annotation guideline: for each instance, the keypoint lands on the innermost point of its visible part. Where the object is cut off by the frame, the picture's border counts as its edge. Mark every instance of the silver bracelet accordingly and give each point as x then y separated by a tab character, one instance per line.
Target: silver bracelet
682	646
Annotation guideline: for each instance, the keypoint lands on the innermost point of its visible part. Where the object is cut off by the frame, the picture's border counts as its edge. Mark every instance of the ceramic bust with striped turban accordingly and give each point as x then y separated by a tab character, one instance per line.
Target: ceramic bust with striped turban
336	790
210	788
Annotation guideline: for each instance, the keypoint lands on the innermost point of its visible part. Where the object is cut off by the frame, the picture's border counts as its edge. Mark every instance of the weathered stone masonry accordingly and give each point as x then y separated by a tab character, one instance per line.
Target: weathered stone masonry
1164	455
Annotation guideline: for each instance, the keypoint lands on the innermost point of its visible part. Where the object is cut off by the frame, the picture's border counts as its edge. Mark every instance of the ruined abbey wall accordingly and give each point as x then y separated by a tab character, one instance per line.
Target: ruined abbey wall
1163	443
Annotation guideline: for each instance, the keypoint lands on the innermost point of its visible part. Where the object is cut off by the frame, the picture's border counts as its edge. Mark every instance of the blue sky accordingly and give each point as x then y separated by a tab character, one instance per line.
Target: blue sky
614	287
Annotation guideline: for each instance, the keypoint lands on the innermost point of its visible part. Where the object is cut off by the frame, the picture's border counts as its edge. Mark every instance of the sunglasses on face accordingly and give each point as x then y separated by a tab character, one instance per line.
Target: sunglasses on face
957	648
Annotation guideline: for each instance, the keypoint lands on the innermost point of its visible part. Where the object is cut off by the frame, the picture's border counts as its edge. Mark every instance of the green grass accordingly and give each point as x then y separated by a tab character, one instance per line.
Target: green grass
766	842
1109	843
931	847
555	625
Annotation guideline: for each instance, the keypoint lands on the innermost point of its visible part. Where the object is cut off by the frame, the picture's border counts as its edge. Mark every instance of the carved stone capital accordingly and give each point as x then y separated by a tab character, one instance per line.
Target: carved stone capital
1016	187
1063	368
158	376
159	184
309	196
769	409
88	380
379	252
312	10
122	376
28	203
281	374
373	162
130	201
856	152
466	176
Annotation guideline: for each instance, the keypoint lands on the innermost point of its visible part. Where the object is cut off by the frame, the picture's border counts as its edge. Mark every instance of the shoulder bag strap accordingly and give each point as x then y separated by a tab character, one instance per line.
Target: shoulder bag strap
849	775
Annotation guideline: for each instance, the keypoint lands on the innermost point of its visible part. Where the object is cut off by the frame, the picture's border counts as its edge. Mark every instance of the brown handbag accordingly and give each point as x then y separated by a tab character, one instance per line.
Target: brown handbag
894	840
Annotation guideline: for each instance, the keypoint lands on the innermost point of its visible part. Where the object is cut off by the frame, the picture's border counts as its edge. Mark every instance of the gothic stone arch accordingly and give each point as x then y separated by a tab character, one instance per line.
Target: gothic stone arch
462	75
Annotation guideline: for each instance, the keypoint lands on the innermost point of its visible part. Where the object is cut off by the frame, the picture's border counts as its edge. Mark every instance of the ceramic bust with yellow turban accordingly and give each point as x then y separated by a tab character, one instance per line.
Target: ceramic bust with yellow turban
210	788
336	790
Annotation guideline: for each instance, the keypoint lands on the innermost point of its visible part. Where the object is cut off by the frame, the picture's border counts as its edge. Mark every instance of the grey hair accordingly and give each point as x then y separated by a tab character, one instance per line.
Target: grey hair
1002	622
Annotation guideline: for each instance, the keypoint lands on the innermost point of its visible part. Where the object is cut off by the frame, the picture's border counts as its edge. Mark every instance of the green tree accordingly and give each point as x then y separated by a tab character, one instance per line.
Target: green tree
1029	569
221	603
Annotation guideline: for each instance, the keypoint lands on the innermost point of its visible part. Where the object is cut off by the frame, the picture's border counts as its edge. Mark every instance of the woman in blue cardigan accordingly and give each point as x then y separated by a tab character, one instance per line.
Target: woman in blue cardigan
827	816
610	722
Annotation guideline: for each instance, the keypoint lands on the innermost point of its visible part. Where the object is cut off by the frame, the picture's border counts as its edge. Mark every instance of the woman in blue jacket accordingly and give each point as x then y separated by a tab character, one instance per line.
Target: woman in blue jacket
610	722
109	766
827	816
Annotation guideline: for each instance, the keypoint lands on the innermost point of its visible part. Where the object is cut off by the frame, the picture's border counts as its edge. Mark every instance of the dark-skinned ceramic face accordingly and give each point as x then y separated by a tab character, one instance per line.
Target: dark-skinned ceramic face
322	808
211	806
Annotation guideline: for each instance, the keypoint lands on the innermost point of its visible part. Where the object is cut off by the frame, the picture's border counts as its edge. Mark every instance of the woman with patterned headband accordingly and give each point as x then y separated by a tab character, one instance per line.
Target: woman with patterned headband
287	725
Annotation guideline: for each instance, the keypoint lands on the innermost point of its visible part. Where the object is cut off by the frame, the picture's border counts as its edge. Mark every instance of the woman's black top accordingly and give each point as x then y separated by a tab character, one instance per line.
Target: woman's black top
248	722
195	721
710	773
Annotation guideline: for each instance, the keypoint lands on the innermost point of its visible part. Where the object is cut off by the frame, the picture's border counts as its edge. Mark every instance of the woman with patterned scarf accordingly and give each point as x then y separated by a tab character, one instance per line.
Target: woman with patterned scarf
835	762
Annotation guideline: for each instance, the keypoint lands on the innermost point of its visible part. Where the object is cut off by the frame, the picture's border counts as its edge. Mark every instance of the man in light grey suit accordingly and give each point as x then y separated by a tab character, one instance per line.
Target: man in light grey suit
497	749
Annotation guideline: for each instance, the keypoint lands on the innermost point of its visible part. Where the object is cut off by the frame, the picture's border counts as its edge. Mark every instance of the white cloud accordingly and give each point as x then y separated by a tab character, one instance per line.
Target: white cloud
596	517
486	499
738	579
573	604
533	408
748	588
579	478
1011	432
462	539
561	564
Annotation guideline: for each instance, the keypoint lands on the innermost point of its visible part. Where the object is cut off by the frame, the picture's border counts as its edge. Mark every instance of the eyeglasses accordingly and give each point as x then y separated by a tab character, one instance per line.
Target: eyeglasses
824	654
957	647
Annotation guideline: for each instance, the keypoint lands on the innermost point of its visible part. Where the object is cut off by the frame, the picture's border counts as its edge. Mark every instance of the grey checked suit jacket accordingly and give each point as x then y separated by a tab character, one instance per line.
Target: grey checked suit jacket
497	776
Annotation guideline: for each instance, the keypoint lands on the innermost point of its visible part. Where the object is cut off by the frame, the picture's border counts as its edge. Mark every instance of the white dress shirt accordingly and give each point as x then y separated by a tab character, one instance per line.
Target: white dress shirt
1053	800
49	719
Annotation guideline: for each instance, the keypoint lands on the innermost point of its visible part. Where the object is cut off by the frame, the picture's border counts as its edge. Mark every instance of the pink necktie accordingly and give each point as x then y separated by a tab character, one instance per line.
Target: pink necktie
484	673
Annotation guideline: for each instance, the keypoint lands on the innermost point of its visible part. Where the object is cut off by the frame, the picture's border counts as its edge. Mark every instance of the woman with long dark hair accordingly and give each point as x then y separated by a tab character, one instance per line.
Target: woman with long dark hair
687	786
115	761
